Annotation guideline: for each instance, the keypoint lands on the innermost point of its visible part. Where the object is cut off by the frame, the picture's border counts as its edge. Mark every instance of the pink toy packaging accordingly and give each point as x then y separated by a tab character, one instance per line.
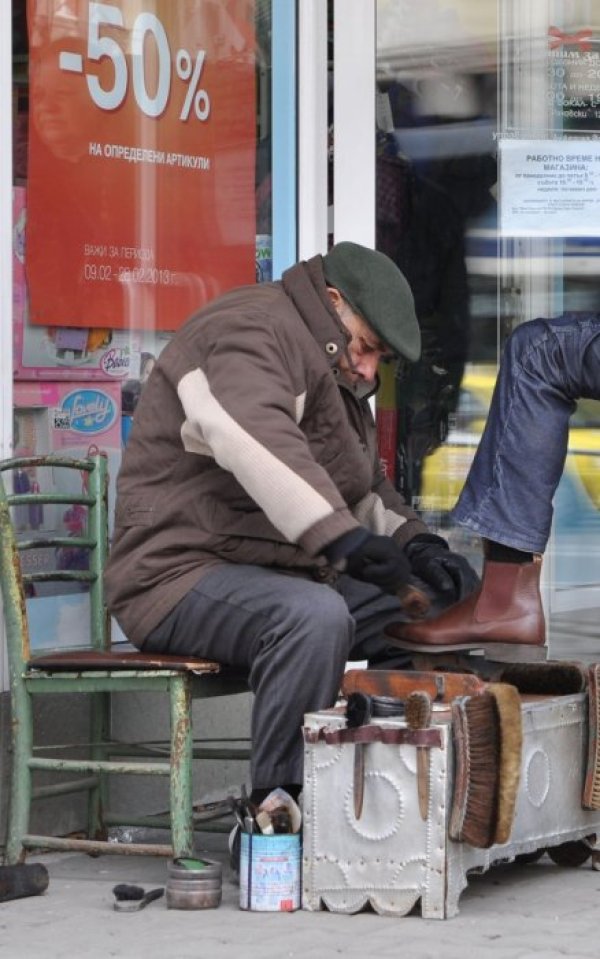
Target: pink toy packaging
76	420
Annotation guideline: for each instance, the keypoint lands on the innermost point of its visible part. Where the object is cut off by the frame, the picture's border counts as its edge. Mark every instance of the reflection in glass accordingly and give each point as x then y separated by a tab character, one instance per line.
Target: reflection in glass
455	80
436	173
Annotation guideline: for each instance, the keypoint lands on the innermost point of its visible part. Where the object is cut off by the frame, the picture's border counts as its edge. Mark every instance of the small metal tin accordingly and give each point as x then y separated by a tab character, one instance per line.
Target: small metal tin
194	884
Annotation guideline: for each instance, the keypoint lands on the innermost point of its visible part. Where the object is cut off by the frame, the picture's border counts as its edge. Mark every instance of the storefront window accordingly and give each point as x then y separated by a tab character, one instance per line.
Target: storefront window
142	190
467	94
436	173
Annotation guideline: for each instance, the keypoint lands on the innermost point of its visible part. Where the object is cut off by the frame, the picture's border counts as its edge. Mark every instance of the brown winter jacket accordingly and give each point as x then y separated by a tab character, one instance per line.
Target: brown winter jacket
245	449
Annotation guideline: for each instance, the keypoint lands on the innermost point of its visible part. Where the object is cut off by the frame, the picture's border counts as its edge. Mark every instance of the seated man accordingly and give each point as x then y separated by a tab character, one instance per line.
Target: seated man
507	498
254	525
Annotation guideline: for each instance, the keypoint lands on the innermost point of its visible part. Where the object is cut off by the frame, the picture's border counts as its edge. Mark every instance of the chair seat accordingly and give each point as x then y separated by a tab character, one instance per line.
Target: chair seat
85	660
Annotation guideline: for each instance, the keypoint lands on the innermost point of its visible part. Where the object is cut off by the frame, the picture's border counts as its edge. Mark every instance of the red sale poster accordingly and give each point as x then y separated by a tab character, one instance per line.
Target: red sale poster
141	191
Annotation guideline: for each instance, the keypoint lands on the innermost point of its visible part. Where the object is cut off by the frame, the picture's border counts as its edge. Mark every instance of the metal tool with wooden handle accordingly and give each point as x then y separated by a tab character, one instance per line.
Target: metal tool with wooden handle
358	713
418	716
360	709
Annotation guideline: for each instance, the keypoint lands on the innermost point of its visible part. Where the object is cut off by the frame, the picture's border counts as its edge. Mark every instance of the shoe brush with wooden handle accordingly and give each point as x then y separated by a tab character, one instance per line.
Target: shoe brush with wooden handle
418	716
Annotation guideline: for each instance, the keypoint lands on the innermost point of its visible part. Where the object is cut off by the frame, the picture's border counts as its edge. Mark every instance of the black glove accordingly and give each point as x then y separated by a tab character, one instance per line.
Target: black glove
379	560
432	561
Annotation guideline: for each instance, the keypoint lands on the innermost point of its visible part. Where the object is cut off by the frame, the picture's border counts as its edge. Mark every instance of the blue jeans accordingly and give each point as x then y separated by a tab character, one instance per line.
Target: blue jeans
546	367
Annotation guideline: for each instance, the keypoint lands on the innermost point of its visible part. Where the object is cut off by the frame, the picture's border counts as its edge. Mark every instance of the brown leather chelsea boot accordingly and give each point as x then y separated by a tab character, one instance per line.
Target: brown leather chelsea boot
506	608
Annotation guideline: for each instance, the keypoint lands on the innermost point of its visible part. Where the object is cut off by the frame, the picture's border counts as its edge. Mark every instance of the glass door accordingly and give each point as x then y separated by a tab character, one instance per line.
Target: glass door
463	92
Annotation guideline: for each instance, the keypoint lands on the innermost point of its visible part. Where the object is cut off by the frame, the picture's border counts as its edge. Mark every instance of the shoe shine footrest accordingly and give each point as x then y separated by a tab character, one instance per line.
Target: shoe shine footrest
390	856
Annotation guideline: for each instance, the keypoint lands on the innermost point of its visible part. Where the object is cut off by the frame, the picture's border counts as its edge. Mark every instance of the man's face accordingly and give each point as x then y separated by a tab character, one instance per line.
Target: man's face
365	350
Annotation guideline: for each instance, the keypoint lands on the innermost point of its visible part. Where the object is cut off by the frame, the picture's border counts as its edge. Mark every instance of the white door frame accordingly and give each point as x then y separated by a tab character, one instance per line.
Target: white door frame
354	124
312	128
354	121
6	282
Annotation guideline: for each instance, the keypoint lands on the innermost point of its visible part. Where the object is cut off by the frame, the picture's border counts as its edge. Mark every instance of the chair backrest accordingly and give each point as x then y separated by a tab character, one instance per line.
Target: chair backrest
70	548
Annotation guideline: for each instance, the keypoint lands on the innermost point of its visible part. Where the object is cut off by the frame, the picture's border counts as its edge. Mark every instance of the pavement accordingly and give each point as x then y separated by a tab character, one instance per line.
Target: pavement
513	911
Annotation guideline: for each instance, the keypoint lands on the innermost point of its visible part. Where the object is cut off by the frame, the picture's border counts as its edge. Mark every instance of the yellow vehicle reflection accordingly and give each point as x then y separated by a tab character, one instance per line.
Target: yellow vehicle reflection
445	470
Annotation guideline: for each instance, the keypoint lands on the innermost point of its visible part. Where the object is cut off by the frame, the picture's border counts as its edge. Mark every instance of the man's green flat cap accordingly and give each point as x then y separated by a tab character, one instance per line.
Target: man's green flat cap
378	291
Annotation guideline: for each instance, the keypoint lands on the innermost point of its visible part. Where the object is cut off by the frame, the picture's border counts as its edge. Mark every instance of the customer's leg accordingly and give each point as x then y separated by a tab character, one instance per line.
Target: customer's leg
294	636
547	365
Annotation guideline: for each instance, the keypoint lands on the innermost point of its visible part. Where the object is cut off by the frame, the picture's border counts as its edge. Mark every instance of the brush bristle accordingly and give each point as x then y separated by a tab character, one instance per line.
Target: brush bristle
125	891
550	678
477	740
591	791
508	705
417	710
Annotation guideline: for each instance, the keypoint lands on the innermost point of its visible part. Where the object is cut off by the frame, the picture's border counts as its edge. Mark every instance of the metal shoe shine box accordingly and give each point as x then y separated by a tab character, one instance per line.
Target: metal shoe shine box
391	858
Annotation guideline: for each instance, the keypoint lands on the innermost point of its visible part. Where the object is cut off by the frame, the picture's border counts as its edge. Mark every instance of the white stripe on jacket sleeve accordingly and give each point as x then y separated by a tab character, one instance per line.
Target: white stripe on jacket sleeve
290	503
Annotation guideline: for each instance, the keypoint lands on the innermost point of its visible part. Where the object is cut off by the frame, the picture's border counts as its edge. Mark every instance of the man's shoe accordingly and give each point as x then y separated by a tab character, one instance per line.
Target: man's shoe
505	609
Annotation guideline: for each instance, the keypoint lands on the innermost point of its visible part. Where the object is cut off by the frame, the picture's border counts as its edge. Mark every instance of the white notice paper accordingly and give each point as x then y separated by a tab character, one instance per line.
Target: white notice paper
550	187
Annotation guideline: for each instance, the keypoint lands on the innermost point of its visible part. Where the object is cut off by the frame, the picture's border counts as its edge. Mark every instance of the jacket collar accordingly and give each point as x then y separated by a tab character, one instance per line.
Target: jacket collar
305	285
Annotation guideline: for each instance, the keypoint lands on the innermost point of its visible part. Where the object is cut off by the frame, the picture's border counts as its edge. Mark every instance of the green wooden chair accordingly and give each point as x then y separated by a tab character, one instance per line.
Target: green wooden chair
96	669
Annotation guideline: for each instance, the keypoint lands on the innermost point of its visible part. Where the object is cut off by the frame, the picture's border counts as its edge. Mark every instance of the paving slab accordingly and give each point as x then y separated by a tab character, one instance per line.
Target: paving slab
514	911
